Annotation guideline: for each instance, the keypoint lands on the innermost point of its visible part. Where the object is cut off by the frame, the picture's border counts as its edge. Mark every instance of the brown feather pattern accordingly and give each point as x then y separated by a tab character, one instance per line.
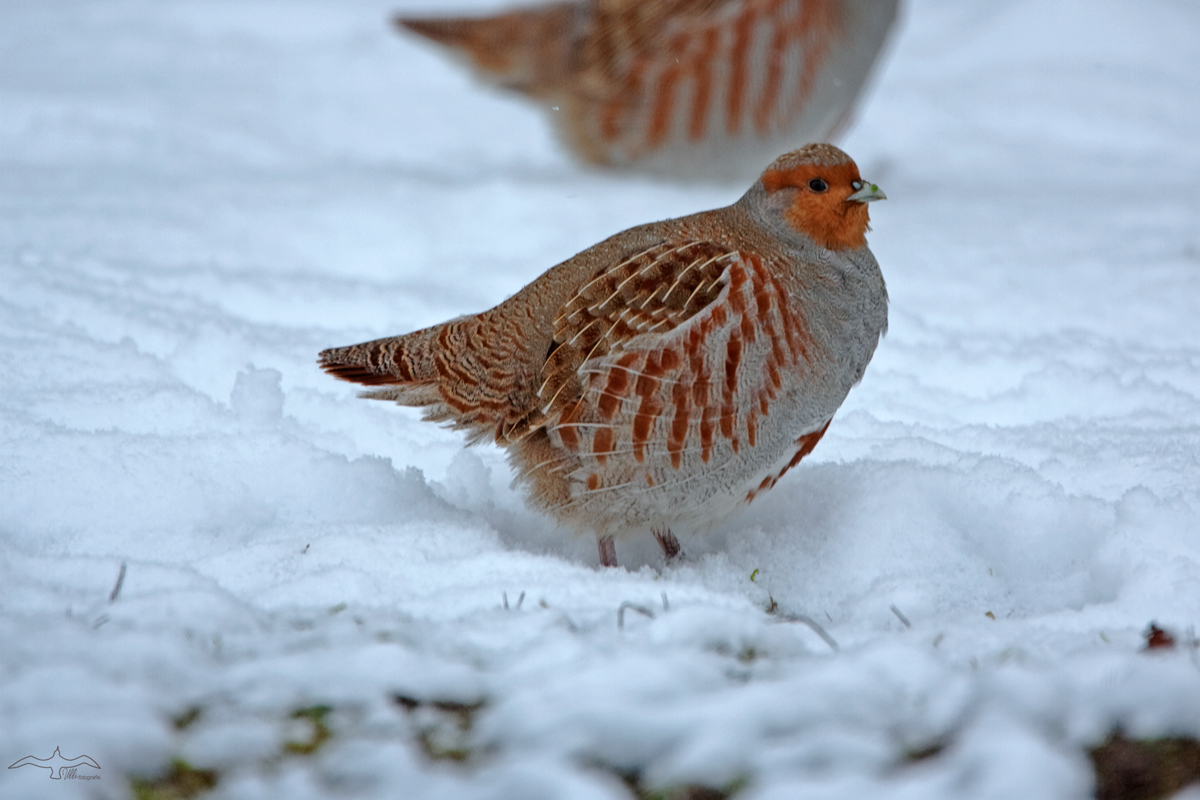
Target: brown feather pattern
663	375
627	79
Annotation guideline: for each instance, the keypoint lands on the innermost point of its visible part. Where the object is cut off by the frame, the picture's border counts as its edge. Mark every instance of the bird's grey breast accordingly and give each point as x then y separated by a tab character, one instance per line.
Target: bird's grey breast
845	301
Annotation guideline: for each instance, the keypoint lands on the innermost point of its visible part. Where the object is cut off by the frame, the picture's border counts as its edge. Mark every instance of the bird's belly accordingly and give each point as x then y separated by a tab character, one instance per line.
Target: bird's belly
657	485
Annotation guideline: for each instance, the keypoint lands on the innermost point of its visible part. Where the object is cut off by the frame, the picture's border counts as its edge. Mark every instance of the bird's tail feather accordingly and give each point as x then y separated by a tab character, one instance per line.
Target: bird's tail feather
526	50
405	365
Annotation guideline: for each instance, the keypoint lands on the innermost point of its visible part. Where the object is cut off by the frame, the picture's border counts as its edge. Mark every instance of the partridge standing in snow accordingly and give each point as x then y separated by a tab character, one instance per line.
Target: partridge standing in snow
662	378
672	84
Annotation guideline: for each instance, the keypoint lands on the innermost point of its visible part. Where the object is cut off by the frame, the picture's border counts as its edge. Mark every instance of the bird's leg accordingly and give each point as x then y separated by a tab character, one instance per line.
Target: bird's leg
608	551
667	541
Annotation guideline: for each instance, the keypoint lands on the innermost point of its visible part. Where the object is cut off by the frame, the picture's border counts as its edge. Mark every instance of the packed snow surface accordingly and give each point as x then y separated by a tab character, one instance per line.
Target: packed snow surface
197	197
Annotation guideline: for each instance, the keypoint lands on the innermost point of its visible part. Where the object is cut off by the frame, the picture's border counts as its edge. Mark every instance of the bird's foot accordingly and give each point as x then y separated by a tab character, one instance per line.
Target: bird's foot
669	544
608	551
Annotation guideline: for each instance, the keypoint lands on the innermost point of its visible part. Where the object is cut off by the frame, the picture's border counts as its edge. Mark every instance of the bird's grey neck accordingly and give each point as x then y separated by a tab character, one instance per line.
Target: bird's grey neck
766	209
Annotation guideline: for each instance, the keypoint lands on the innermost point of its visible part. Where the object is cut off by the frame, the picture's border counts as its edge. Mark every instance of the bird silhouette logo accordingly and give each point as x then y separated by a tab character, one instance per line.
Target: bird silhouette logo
56	763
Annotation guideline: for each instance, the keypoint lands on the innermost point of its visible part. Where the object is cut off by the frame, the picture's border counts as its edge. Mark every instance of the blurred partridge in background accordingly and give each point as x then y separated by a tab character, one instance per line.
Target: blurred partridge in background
661	379
691	87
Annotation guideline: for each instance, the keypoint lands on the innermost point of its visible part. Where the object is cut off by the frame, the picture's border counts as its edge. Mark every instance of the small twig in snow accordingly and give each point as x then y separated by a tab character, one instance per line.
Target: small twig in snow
666	602
640	609
520	600
571	626
116	590
900	615
804	619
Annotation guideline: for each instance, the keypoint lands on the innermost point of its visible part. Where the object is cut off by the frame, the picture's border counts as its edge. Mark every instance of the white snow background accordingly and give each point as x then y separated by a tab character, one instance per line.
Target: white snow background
197	197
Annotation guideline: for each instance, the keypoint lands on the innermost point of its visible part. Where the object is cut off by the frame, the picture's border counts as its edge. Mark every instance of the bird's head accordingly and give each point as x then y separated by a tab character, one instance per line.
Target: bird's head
817	191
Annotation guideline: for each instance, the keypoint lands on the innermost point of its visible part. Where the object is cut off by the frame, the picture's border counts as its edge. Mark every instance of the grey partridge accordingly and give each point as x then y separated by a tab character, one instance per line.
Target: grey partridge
686	86
661	379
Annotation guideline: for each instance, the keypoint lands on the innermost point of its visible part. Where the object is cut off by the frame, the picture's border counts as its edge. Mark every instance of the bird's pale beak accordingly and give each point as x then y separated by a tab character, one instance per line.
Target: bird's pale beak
867	193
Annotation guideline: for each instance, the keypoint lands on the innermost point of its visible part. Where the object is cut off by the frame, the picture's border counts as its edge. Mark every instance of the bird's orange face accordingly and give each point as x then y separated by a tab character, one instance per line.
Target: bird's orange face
829	203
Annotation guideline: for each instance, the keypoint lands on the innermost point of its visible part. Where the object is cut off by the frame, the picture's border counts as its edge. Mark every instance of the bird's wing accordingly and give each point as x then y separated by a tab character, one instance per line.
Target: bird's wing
689	307
645	296
34	760
477	374
667	337
75	762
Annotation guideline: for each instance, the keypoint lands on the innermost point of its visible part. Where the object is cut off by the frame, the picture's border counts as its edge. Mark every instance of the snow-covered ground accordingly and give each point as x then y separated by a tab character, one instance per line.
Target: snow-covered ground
198	196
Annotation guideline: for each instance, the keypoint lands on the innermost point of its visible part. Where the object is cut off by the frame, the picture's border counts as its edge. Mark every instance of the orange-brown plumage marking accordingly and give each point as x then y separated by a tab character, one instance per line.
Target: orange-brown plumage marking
663	104
602	444
763	286
748	327
567	431
647	382
806	444
698	366
770	377
795	333
679	423
669	360
702	98
615	387
738	79
733	357
737	280
642	425
648	410
569	437
809	441
819	25
776	381
614	110
707	429
773	76
652	370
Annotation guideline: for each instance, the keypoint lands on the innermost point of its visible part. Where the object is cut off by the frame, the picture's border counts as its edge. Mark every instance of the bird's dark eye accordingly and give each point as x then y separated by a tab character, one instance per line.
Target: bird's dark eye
817	185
